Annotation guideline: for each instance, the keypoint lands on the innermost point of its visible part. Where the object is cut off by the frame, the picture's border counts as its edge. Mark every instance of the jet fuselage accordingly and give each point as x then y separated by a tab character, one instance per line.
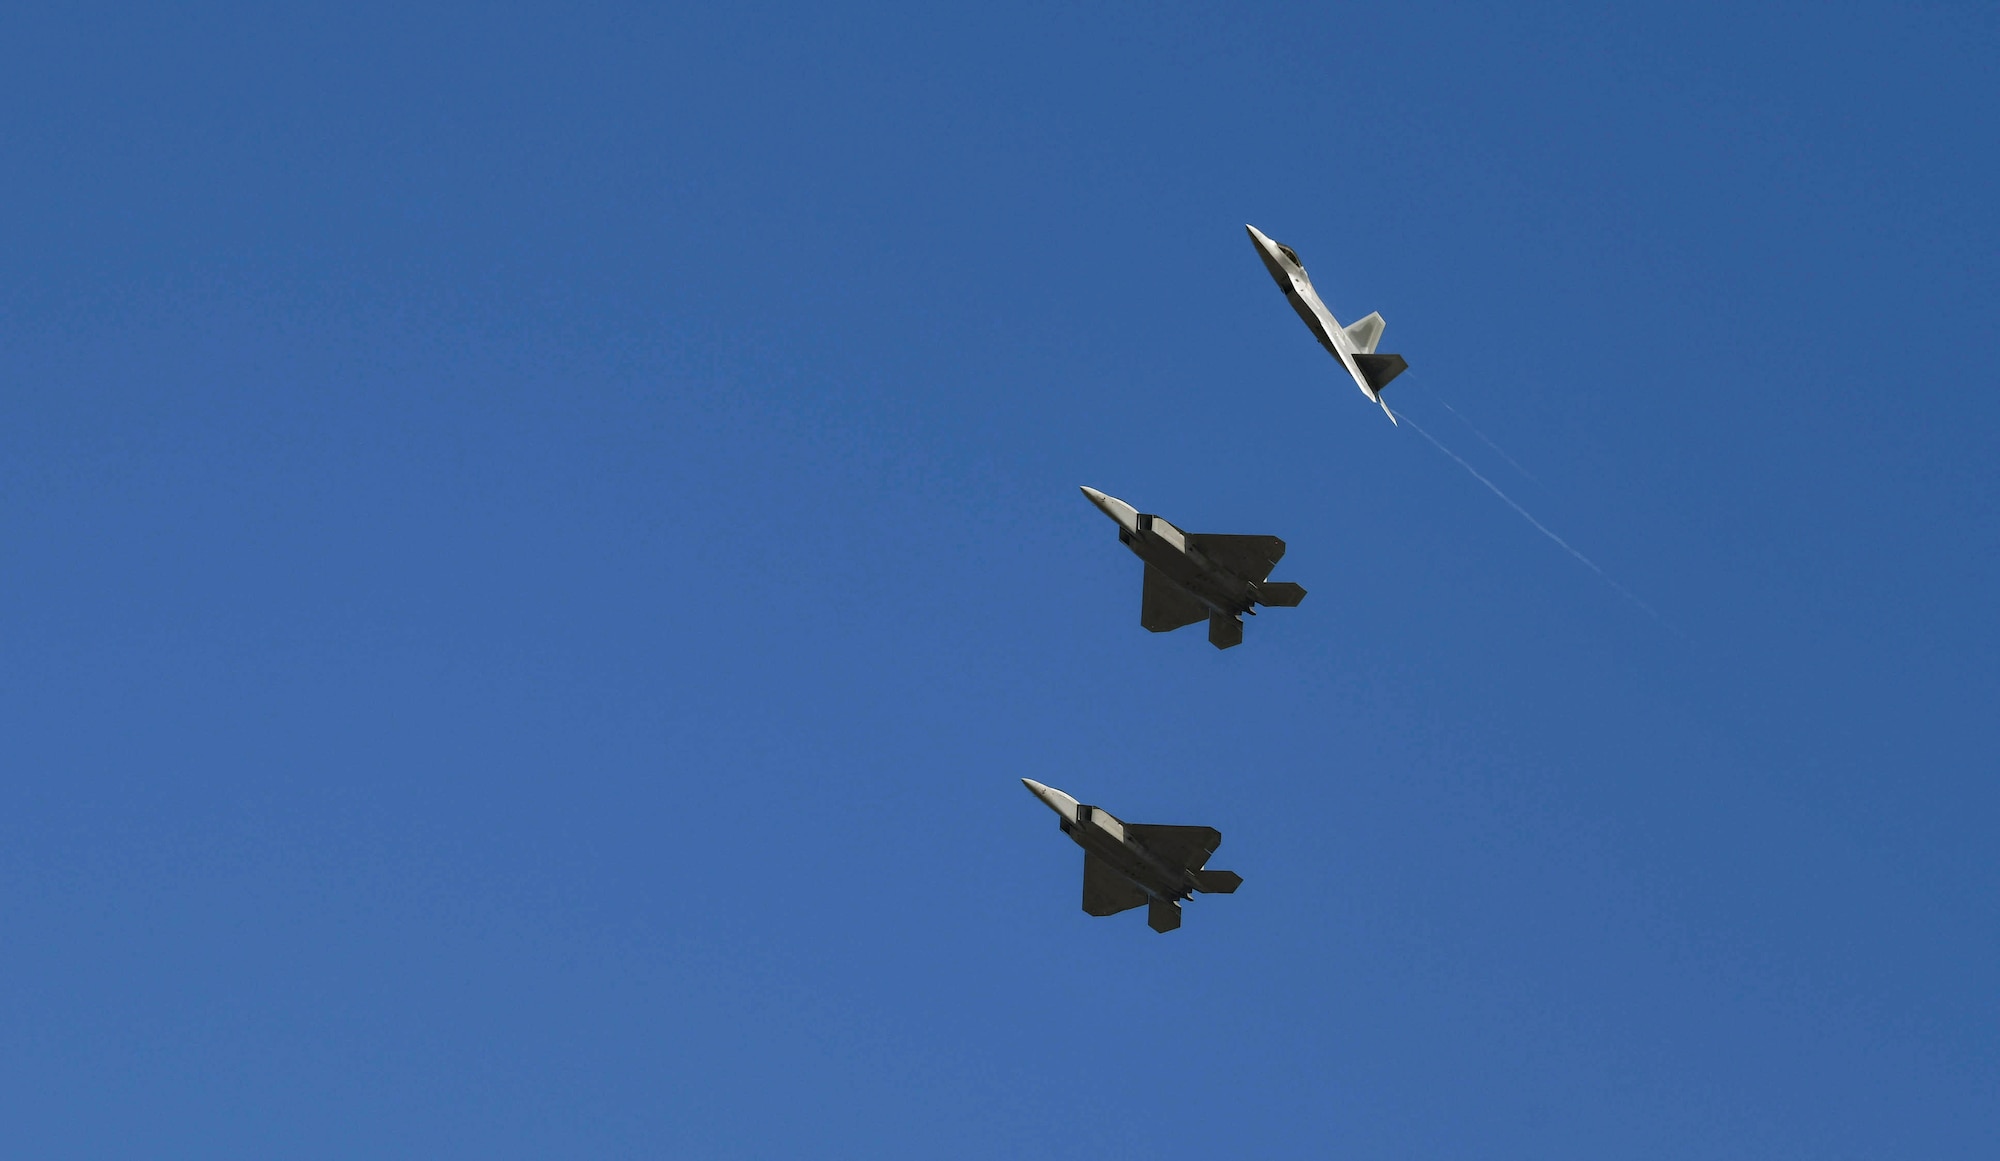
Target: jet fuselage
1165	547
1096	831
1290	275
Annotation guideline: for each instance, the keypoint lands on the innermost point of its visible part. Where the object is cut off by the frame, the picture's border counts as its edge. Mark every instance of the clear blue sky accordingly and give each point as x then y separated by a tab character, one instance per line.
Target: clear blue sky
537	545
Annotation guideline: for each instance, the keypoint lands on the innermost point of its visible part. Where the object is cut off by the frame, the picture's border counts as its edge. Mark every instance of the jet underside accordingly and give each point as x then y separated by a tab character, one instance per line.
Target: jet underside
1220	592
1127	864
1141	868
1194	576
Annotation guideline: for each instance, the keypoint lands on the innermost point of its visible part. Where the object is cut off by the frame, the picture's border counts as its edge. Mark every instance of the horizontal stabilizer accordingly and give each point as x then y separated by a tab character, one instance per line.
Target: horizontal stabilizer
1379	369
1163	916
1280	594
1217	882
1224	631
1366	333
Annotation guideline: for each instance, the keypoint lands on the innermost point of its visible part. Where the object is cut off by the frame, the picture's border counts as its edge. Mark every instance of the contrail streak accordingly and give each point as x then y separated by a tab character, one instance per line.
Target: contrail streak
1489	443
1628	594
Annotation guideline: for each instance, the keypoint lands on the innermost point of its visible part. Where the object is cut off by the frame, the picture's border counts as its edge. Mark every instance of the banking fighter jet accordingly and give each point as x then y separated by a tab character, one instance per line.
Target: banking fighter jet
1192	576
1354	346
1129	863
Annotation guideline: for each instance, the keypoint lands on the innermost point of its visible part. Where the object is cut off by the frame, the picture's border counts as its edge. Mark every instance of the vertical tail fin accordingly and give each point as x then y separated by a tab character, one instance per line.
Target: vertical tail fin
1366	333
1163	915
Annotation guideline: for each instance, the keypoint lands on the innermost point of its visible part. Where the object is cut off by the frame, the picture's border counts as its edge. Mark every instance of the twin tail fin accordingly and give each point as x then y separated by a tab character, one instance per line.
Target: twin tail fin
1377	369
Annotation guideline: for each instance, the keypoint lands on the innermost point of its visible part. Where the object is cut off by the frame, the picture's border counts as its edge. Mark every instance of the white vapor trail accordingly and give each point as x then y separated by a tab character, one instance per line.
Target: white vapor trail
1628	594
1498	450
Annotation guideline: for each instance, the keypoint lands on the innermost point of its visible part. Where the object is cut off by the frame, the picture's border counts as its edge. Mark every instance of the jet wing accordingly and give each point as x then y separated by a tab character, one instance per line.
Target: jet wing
1250	557
1187	847
1105	891
1166	605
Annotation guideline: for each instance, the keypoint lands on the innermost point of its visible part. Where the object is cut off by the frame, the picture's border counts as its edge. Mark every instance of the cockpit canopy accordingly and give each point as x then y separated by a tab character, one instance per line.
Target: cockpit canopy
1288	252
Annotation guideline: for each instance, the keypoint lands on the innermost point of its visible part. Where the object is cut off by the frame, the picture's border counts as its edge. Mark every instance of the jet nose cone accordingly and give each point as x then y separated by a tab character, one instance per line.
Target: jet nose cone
1126	515
1054	799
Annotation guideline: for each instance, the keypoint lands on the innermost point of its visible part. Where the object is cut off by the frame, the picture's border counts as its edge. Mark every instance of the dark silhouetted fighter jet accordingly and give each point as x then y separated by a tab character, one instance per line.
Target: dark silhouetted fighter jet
1126	864
1193	576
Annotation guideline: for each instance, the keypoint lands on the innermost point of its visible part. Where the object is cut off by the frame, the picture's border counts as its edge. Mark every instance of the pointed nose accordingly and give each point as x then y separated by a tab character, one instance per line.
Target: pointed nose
1054	799
1258	236
1126	515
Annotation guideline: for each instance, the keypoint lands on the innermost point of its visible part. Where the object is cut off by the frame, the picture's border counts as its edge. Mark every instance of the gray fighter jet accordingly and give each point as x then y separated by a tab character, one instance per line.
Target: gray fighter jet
1129	863
1195	575
1354	346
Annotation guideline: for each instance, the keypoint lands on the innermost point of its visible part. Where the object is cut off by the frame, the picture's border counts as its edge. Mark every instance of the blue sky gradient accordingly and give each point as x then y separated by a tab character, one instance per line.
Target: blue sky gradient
538	542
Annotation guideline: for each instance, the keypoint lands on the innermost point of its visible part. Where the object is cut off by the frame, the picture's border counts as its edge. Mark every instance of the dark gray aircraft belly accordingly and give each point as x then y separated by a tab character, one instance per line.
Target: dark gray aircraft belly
1129	863
1226	594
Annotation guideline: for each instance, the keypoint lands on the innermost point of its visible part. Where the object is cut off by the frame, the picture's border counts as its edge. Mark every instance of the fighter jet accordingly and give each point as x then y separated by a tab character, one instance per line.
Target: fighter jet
1196	575
1354	346
1129	863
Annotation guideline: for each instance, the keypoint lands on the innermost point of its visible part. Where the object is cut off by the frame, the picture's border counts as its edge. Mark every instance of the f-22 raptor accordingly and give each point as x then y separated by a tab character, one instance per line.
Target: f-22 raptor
1191	576
1354	346
1129	863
